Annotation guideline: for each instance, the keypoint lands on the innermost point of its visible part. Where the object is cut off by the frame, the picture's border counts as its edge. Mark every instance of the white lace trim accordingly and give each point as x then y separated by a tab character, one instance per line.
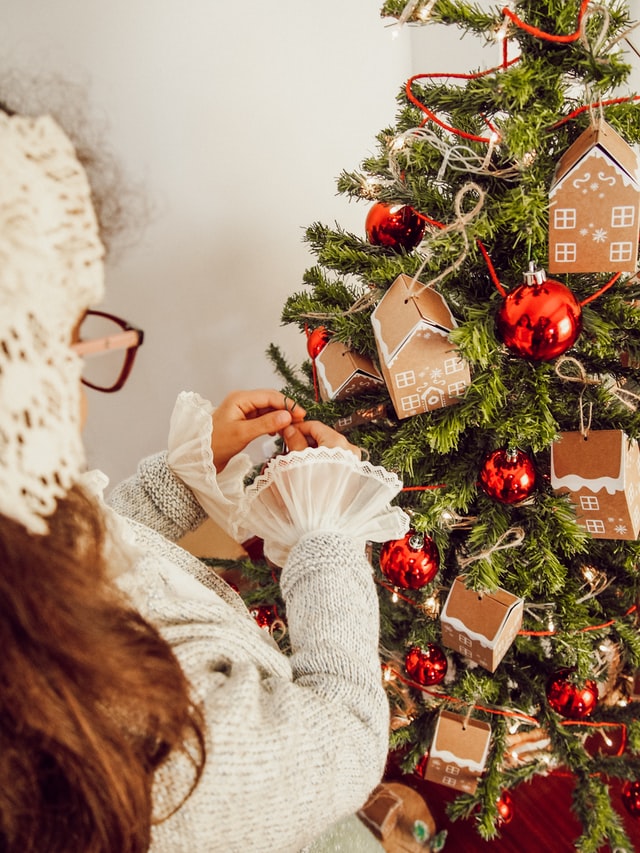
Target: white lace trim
51	270
191	459
321	489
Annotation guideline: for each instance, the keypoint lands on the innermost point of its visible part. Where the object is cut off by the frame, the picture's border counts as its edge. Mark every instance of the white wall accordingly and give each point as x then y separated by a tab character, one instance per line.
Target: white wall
238	117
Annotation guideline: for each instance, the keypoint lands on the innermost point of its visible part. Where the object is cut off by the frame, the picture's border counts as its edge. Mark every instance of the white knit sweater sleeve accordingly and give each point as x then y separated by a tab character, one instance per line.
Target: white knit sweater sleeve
294	744
156	497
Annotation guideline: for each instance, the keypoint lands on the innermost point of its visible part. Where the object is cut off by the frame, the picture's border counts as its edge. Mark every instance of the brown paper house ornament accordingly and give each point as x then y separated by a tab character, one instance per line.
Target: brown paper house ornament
602	476
594	203
400	819
344	373
480	626
458	753
420	365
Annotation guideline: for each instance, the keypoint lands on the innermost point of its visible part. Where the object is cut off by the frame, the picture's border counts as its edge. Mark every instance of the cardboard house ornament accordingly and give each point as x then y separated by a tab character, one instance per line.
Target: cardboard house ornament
594	203
458	753
480	625
601	474
421	367
400	819
344	373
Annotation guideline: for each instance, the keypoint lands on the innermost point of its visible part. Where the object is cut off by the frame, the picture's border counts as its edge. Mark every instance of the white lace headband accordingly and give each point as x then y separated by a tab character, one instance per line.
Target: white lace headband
51	270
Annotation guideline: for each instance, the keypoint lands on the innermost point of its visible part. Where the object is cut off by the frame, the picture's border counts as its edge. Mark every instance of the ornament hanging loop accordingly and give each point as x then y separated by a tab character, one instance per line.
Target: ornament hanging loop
459	224
580	376
511	538
591	11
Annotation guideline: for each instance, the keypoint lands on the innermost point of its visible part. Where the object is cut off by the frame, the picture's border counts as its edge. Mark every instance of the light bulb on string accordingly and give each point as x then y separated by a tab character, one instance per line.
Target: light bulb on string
431	606
528	159
425	13
370	188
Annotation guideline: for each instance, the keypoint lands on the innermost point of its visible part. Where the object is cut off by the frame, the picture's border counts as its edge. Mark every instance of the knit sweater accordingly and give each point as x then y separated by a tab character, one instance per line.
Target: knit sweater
294	743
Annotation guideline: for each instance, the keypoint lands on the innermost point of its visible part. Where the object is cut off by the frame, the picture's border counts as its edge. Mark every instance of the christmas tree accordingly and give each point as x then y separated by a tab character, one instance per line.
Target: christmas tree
481	337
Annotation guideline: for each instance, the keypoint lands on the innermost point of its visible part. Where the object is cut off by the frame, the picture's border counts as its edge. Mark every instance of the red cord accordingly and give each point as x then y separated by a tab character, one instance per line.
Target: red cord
514	714
611	282
608	624
431	115
492	270
586	107
313	367
534	31
503	292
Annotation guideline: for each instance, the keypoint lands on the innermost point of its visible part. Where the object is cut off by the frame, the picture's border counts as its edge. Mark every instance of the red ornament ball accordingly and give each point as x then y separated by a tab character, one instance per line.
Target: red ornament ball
317	341
631	797
539	319
410	563
394	226
265	615
426	666
505	808
508	476
570	699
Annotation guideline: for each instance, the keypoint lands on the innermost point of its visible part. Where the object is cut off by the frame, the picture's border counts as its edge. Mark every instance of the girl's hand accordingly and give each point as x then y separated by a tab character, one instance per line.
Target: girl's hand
246	415
299	436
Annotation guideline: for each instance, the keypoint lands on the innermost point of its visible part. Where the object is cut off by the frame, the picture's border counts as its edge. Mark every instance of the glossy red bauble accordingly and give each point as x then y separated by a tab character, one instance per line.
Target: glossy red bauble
631	797
410	563
569	699
426	666
508	476
395	226
317	341
265	614
505	808
539	321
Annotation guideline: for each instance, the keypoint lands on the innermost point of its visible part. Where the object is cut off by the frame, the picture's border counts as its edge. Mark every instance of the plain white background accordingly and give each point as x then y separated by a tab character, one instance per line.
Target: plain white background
237	118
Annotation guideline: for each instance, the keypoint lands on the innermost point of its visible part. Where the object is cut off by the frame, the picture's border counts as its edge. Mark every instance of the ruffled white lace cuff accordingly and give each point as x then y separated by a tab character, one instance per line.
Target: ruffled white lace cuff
191	459
320	490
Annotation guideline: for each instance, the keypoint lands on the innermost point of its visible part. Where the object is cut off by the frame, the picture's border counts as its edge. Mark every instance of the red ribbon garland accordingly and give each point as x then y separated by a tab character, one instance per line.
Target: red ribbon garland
566	39
431	115
534	31
499	712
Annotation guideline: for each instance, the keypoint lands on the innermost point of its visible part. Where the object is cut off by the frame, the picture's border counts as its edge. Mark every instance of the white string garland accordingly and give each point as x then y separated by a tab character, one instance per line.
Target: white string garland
459	158
460	225
569	369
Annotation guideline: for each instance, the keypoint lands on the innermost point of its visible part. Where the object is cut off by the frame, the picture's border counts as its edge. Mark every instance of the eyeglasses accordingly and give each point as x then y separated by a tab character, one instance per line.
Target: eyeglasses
109	346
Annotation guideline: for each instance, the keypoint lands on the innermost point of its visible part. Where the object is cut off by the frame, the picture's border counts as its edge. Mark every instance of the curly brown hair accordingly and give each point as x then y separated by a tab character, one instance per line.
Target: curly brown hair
92	699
